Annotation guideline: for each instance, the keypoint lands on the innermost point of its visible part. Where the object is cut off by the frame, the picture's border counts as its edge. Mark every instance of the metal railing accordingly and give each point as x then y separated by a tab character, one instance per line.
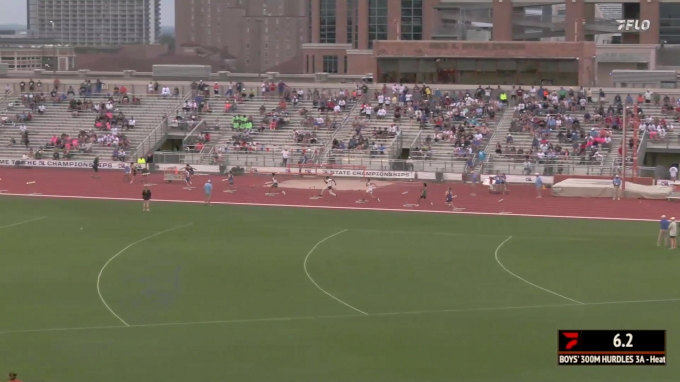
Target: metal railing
199	128
327	148
6	95
396	145
417	140
668	142
161	130
507	113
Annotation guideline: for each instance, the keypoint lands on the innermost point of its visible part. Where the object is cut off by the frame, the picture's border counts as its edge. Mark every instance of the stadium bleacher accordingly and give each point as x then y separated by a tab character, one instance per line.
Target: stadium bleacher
423	126
540	149
59	120
301	128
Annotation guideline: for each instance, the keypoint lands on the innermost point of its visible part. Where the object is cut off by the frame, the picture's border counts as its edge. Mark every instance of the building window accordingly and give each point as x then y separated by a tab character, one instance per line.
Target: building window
309	21
411	19
307	64
330	64
352	10
669	23
345	62
377	21
327	22
313	64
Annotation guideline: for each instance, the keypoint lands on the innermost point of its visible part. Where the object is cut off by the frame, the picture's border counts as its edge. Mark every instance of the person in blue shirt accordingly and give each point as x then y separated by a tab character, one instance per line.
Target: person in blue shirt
208	191
664	225
539	186
617	188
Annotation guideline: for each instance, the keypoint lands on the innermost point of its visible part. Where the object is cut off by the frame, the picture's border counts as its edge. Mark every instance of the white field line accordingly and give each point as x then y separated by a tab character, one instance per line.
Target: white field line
475	234
24	222
304	265
528	282
387	314
118	254
333	207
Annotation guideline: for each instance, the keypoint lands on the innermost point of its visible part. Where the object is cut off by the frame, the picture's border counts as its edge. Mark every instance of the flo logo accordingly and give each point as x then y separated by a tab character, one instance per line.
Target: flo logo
569	340
633	25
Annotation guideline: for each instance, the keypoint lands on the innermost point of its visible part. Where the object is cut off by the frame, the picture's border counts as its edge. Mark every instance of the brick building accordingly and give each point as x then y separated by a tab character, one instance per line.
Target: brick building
263	35
476	41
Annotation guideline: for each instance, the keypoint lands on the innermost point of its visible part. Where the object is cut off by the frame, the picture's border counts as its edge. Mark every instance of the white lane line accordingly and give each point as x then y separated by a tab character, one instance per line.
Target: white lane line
632	302
447	212
118	254
458	234
526	281
245	321
304	265
24	222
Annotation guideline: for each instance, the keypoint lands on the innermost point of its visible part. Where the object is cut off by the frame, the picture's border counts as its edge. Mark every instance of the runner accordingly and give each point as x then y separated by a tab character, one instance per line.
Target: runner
133	168
231	180
370	186
449	197
274	184
330	183
423	195
187	177
95	167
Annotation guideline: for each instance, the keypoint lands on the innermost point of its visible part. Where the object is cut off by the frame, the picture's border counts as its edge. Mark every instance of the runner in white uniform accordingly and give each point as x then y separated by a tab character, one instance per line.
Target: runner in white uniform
274	184
187	177
330	183
370	186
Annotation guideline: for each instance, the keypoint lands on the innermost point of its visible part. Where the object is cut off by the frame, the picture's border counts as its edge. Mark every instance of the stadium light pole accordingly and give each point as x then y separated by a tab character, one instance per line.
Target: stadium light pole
624	150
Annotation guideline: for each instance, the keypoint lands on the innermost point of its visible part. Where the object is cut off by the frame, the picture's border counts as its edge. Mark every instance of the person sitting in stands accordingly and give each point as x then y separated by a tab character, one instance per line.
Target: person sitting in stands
41	109
131	123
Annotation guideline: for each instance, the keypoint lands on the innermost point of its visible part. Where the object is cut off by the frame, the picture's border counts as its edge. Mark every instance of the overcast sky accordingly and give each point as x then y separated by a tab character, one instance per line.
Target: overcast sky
14	12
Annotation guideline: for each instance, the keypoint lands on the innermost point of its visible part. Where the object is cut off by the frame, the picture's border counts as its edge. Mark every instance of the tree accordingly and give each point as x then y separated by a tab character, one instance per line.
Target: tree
169	40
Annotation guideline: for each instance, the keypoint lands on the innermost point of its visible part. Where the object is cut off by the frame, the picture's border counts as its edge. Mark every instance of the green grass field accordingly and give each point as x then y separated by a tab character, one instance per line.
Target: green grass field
228	298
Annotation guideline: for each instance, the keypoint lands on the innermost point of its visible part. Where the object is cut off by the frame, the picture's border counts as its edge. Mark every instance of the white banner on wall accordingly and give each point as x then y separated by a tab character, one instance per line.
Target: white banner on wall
60	163
523	179
334	172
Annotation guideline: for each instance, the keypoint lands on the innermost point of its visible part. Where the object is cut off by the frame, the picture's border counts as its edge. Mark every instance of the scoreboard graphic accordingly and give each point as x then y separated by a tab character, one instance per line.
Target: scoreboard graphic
611	347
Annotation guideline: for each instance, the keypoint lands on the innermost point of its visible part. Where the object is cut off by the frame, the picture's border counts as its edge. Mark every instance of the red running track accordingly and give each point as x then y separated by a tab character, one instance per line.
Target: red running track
521	200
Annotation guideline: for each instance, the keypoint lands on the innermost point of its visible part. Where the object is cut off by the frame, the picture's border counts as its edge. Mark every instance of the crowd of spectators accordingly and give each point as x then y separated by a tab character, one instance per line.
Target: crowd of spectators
457	121
108	126
571	126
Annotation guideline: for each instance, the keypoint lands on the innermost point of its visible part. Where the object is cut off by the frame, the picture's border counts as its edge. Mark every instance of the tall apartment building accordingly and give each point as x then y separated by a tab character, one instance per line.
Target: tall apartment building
261	34
96	22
